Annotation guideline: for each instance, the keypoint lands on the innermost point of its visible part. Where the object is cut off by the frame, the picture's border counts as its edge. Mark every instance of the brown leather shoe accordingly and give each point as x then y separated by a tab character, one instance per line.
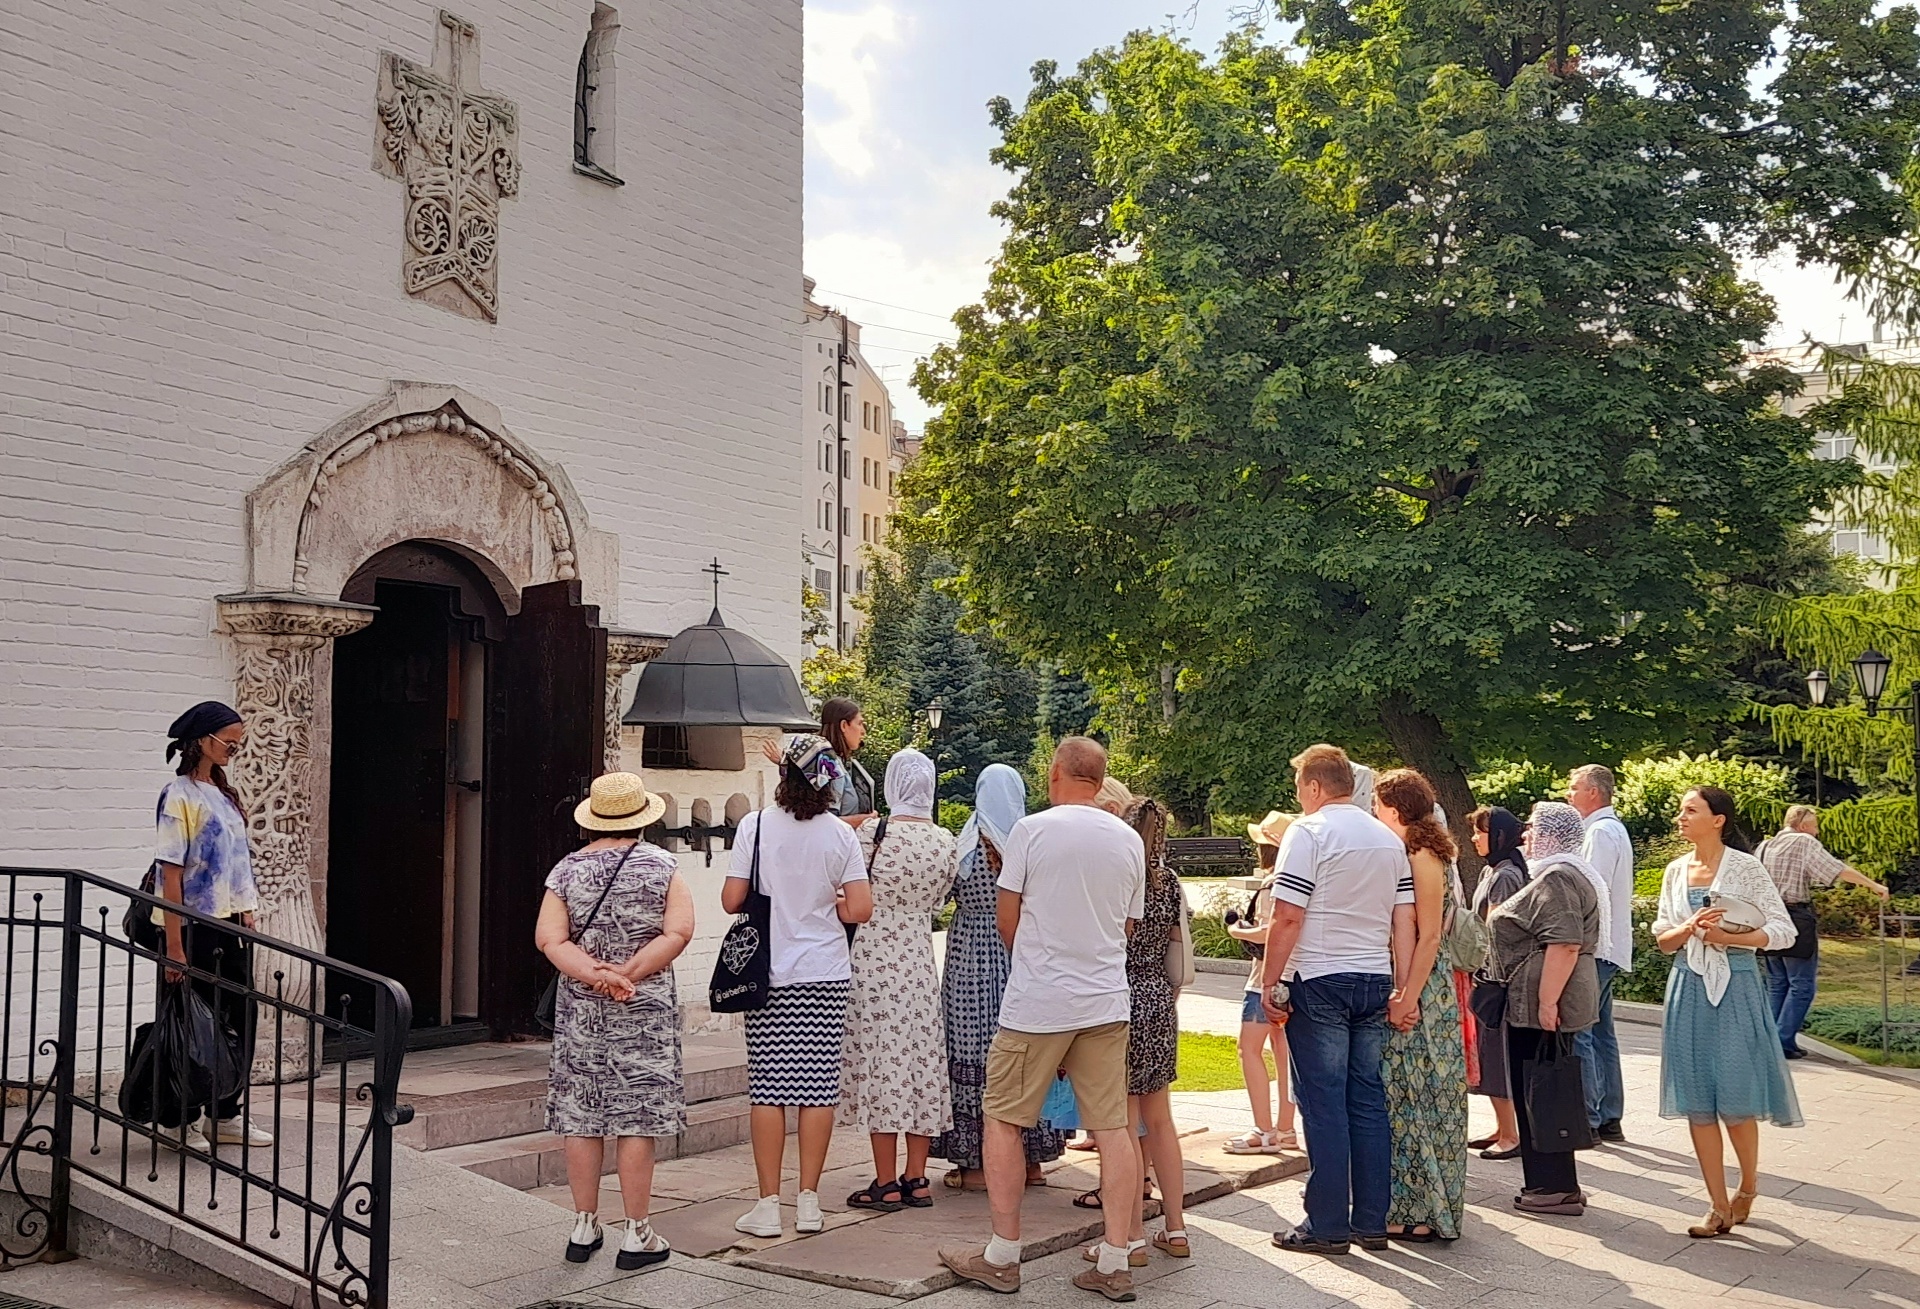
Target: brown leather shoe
969	1263
1115	1286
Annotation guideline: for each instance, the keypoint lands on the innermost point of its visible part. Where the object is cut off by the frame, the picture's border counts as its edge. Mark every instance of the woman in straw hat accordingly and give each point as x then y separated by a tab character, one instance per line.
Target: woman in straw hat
1273	1130
615	916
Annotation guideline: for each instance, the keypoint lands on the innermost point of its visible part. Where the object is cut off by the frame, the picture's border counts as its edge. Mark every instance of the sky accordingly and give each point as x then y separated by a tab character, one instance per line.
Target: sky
898	183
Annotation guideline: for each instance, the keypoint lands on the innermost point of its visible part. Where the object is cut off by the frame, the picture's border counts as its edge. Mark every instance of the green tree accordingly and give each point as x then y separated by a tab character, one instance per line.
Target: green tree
1394	392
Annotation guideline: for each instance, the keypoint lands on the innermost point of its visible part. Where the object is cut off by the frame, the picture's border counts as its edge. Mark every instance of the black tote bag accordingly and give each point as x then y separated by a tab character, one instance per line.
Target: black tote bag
1555	1087
743	972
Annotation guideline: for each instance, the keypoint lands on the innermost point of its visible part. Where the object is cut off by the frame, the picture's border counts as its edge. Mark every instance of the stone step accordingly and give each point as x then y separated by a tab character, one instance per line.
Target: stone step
538	1158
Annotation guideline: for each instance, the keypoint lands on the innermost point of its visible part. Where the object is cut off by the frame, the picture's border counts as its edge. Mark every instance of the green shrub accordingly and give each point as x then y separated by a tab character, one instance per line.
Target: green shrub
1650	791
1210	939
1859	1024
1516	785
1648	980
1849	910
1650	862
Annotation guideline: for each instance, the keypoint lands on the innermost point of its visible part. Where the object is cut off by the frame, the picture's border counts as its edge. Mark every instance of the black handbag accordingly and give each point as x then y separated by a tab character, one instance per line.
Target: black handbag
1806	939
743	973
549	1002
1488	1001
1556	1091
137	924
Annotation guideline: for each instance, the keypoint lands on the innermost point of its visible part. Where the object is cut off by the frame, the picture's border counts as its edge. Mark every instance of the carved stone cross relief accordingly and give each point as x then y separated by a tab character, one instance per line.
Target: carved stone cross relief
457	150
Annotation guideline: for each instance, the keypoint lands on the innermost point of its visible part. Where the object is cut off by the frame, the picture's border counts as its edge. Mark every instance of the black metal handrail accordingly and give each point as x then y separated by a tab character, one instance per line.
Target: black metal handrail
333	1178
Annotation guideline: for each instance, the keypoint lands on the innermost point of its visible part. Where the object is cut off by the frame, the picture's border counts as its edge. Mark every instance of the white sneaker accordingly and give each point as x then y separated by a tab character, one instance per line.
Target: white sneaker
237	1130
807	1213
585	1238
190	1138
764	1218
643	1247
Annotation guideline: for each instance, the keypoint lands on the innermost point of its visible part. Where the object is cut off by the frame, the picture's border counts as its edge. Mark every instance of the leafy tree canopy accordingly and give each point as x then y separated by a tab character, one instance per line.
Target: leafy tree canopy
1393	390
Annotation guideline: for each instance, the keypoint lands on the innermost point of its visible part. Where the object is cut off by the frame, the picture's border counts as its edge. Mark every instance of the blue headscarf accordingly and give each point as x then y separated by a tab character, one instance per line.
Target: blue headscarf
999	801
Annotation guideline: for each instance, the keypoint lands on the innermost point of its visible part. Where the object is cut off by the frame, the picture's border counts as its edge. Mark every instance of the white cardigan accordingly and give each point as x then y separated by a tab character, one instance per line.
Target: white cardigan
1740	875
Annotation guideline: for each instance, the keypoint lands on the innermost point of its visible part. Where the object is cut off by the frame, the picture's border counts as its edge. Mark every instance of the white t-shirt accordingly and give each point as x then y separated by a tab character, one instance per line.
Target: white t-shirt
1348	870
802	865
1081	874
1610	850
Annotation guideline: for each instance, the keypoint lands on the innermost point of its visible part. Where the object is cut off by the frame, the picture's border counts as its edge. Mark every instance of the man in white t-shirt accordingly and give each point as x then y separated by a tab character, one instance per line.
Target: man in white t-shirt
1072	883
1343	919
1610	850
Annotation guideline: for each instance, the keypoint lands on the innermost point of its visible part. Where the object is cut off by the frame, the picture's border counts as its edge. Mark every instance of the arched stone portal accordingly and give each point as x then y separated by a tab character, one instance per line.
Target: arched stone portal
423	463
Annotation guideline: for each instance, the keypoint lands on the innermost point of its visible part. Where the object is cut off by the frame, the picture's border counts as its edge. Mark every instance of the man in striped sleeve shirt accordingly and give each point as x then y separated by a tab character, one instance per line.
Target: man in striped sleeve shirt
1342	928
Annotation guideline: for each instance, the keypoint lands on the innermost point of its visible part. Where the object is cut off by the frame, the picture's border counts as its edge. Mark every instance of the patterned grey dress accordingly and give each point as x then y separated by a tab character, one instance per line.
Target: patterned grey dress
615	1068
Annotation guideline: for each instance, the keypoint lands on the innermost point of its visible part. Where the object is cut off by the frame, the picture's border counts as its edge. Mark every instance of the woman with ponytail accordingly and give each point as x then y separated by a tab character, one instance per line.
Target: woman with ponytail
205	865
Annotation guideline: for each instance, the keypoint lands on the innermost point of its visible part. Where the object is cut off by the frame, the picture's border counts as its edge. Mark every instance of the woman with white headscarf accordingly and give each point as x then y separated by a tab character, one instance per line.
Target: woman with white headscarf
976	978
1544	936
894	1062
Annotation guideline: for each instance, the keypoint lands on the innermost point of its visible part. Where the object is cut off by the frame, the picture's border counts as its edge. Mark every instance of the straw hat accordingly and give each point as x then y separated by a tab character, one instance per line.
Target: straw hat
618	802
1270	829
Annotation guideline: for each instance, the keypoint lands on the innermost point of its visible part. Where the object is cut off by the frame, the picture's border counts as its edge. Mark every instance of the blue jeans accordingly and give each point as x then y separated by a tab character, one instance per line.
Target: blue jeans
1599	1051
1335	1035
1790	986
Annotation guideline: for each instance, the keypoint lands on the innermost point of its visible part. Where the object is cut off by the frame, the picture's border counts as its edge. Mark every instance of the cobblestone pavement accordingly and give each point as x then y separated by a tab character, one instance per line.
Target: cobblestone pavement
1838	1226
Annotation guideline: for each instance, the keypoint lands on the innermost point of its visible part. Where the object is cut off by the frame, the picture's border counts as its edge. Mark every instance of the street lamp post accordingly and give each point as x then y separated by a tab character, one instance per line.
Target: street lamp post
1817	683
1870	669
936	712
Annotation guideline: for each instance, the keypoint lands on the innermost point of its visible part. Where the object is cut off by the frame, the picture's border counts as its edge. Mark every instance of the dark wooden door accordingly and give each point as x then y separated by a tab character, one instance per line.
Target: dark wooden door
546	706
388	811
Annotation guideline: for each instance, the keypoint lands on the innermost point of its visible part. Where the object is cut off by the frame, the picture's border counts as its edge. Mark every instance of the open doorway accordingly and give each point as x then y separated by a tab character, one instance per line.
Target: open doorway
405	876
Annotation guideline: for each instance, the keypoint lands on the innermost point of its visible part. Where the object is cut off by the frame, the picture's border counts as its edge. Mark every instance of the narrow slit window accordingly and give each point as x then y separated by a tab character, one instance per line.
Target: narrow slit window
593	100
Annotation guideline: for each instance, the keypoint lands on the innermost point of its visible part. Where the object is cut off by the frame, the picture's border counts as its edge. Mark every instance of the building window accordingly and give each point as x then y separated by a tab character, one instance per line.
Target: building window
846	521
846	408
822	579
860	581
846	577
593	103
890	484
664	747
866	527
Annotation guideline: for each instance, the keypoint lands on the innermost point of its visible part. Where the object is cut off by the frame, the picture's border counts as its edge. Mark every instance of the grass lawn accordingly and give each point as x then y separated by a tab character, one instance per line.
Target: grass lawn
1850	975
1212	1063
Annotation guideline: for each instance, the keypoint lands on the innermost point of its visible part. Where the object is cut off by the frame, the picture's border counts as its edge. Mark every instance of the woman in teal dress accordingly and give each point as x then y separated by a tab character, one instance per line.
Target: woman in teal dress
1720	1057
1425	1063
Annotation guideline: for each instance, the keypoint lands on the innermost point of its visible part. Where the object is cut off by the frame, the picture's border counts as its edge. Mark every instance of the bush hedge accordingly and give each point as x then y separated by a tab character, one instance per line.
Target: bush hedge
1859	1024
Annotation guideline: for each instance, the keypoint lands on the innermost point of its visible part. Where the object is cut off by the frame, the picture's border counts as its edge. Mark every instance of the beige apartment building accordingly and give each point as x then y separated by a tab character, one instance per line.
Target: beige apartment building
853	451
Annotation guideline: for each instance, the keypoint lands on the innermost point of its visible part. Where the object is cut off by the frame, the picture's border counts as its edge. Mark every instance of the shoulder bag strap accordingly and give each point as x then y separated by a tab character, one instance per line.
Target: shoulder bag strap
617	868
879	835
753	876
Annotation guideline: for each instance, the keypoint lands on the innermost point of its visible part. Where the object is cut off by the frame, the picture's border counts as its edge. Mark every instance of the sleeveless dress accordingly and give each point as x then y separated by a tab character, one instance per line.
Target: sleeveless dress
1723	1063
615	1066
976	978
1426	1075
894	1064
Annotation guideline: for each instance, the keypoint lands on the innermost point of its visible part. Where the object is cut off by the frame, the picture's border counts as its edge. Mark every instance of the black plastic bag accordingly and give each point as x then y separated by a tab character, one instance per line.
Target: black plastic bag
1555	1086
183	1063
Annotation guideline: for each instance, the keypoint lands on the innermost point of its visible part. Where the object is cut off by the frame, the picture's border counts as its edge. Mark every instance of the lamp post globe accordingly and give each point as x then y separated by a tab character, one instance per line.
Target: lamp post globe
1817	684
935	712
1870	671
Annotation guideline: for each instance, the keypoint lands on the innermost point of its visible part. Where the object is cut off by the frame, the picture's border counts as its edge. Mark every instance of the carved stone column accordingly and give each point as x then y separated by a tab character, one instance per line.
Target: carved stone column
275	637
625	650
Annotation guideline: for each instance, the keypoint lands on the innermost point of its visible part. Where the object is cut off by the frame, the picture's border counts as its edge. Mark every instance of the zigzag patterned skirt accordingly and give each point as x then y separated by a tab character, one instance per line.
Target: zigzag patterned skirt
793	1045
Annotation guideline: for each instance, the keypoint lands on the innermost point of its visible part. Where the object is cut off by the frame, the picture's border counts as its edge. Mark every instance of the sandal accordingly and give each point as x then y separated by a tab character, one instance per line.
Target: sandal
908	1188
1418	1234
1742	1207
1087	1199
1714	1224
874	1196
1136	1254
1176	1246
1255	1143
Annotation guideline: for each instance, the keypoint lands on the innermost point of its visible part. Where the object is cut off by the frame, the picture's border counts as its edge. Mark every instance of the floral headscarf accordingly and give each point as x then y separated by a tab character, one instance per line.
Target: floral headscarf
910	784
814	760
1558	835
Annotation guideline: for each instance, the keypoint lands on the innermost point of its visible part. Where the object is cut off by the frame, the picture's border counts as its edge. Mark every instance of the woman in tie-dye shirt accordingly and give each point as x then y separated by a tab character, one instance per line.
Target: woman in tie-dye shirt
204	864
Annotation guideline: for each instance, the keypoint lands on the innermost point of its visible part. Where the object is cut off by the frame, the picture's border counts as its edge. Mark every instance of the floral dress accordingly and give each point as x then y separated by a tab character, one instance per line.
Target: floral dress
1426	1075
1153	1033
894	1063
615	1065
976	978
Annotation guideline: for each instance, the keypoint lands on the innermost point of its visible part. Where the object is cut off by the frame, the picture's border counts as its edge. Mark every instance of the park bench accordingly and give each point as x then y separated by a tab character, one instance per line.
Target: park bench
1209	856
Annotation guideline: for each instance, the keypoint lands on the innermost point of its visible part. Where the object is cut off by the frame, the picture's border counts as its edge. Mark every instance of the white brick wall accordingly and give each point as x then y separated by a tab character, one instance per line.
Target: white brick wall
199	272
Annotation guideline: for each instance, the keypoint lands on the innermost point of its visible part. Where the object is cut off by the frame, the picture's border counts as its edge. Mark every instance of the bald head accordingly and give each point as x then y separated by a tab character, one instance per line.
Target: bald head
1079	769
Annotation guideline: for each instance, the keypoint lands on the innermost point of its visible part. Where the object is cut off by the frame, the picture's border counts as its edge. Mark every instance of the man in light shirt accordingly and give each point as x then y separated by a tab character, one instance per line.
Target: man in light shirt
1798	863
1073	881
1610	850
1342	919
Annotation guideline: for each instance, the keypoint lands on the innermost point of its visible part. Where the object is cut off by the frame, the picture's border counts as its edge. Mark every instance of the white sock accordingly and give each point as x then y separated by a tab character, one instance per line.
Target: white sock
1002	1252
1112	1258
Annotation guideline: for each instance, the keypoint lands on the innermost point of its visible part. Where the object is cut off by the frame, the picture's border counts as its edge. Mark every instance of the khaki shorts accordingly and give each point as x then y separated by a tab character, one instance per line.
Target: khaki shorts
1021	1067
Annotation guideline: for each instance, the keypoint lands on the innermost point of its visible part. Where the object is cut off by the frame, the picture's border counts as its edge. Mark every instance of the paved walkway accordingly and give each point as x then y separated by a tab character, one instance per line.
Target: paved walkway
1838	1226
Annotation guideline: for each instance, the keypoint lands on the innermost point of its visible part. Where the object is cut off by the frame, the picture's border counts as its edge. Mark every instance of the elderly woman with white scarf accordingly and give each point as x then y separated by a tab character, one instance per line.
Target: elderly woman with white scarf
894	1062
1544	936
1720	1056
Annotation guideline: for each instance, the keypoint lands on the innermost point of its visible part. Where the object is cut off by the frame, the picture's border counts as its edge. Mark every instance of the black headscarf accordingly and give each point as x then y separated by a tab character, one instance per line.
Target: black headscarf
1503	840
204	719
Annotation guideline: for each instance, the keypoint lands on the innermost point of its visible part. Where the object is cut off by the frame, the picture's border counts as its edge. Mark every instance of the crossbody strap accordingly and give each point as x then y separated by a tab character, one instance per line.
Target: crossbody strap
879	835
617	869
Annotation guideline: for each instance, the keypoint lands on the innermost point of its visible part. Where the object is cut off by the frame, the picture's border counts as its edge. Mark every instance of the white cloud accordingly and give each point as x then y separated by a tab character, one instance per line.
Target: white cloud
842	66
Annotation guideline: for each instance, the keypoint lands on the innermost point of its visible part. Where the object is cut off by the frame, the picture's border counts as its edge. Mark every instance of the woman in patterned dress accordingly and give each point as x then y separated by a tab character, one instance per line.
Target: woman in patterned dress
894	1077
976	978
615	916
1425	1062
